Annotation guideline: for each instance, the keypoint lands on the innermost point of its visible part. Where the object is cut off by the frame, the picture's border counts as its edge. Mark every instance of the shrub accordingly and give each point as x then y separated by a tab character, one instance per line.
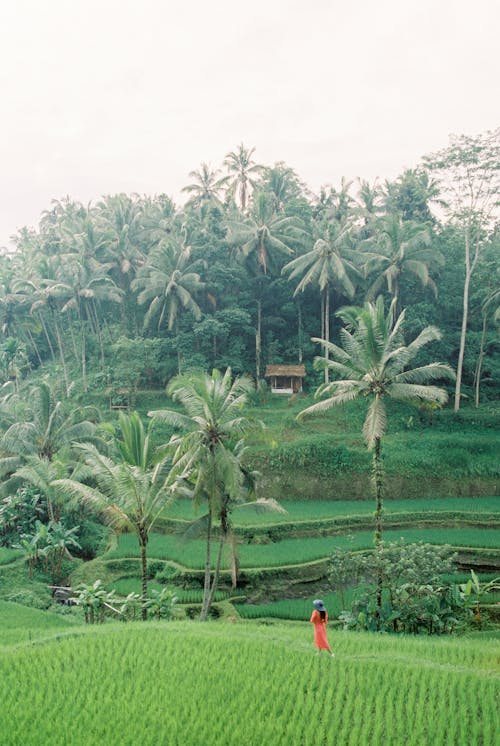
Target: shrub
315	453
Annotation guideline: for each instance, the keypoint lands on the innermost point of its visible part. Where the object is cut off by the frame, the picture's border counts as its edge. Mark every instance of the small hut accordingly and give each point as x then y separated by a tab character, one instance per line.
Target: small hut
285	379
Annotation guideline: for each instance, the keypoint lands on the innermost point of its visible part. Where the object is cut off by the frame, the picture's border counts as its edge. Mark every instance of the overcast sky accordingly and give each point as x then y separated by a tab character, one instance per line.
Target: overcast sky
103	96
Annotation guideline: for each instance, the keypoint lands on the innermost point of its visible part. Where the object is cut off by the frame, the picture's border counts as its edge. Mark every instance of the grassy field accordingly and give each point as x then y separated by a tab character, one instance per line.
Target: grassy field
307	510
20	624
8	555
191	554
246	684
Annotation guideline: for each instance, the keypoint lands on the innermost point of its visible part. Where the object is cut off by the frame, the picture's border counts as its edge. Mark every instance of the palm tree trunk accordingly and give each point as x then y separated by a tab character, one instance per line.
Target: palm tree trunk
73	340
215	581
35	347
143	541
258	341
299	330
206	586
47	337
327	329
378	481
178	347
61	355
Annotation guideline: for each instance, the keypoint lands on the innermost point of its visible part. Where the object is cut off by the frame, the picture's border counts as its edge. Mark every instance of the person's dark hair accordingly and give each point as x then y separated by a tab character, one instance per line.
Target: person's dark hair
322	614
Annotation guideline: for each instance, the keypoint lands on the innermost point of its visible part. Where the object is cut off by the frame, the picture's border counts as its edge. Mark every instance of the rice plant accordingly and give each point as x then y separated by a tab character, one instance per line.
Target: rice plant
191	554
246	684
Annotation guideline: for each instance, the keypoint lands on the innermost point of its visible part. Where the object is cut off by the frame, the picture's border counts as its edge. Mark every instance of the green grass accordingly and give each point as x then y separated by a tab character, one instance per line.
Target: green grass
308	510
124	586
298	609
8	555
191	554
248	684
21	624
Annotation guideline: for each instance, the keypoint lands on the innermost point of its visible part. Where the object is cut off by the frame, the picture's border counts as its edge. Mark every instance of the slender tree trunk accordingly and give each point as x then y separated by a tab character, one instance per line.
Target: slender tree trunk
179	362
258	341
469	269
47	336
215	581
463	333
61	355
206	586
73	340
97	328
327	330
299	331
143	541
378	482
35	347
83	349
479	367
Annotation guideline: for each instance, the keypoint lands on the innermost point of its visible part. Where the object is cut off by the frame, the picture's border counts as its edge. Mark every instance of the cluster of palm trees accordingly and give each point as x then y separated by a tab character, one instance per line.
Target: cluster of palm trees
127	479
132	265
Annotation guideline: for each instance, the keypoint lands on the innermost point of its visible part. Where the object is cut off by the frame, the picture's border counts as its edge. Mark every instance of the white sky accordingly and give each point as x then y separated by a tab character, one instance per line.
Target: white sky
102	96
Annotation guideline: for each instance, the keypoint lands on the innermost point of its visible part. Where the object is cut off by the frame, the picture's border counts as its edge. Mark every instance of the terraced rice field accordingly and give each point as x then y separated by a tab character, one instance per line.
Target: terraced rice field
307	510
246	684
191	554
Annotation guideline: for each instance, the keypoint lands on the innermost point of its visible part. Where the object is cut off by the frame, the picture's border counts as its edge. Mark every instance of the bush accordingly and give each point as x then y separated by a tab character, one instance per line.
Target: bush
315	453
192	612
167	574
91	537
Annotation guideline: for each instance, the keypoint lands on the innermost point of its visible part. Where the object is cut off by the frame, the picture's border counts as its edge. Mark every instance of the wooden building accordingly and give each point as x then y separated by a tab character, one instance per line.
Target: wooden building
285	379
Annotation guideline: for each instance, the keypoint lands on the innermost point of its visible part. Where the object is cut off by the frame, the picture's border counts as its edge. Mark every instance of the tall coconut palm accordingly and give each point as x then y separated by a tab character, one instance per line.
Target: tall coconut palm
262	238
242	172
169	283
209	448
329	264
373	363
400	247
132	488
206	187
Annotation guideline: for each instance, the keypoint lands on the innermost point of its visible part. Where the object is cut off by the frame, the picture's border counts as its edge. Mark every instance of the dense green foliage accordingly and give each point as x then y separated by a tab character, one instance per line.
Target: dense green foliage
119	685
125	292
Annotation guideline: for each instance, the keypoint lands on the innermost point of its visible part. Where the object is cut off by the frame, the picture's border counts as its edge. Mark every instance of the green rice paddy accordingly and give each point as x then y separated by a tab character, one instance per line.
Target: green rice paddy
308	510
220	683
191	553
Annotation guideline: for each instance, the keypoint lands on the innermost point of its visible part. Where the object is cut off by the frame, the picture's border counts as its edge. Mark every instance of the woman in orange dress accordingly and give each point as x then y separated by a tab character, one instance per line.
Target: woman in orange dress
319	618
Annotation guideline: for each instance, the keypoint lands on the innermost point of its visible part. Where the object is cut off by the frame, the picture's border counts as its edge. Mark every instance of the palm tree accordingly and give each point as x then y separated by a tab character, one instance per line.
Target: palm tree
210	449
169	284
329	264
282	184
241	169
205	188
400	247
44	428
42	474
373	363
132	489
261	238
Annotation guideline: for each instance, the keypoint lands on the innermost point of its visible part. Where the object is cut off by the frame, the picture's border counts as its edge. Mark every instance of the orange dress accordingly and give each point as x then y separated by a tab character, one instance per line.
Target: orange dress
319	630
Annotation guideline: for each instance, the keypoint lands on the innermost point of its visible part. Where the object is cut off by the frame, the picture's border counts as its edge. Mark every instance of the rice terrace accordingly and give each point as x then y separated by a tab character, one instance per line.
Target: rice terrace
250	462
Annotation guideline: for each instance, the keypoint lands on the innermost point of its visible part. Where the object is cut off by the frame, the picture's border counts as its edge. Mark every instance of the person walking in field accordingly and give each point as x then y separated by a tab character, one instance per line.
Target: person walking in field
319	618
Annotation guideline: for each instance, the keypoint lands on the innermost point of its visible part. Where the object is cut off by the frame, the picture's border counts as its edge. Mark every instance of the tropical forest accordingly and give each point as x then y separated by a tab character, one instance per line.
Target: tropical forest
225	417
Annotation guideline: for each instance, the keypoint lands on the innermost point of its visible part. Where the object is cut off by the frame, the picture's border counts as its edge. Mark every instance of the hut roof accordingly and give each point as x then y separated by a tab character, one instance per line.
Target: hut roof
294	371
